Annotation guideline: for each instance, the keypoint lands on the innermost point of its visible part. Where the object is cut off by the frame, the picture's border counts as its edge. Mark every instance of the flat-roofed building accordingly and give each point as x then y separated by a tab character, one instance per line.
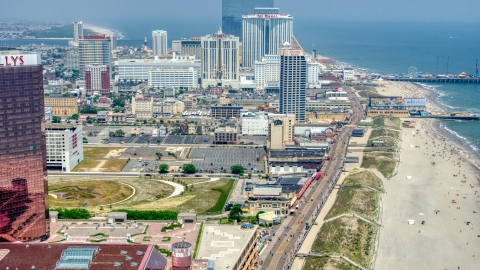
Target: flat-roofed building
225	111
62	106
181	78
255	124
142	107
138	69
226	135
192	46
280	130
238	241
64	146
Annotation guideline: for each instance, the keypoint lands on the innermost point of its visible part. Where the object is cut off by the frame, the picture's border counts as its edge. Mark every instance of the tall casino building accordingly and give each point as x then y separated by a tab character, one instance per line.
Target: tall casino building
23	165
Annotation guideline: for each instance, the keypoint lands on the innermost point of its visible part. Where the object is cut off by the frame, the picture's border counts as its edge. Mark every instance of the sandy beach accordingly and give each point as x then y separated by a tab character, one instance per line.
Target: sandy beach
443	190
98	29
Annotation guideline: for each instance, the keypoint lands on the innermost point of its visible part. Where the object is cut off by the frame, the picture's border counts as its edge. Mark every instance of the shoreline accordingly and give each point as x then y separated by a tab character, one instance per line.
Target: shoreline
103	30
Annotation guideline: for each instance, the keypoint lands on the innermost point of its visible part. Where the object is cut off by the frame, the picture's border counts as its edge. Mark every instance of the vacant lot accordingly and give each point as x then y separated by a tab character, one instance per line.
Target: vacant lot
91	193
320	263
102	152
199	199
100	165
364	178
356	200
381	161
349	236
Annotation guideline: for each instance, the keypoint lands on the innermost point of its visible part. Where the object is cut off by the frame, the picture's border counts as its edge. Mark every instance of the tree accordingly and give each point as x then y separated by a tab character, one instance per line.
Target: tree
159	155
120	102
144	121
67	94
258	214
189	168
88	110
161	121
56	119
75	116
235	212
119	133
237	169
118	110
249	175
163	168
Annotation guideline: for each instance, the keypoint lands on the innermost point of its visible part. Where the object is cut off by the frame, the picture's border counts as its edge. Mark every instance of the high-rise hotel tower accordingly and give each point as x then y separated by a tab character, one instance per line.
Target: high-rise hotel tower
23	164
293	82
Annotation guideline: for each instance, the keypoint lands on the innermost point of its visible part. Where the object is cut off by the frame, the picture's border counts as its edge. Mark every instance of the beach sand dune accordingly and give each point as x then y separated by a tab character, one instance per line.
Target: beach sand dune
98	29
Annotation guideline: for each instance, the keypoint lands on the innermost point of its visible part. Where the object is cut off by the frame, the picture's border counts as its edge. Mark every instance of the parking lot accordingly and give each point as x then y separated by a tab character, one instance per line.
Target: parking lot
188	139
220	159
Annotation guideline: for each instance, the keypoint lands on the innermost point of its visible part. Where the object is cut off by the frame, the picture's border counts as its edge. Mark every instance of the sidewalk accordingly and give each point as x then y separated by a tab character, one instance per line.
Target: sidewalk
312	234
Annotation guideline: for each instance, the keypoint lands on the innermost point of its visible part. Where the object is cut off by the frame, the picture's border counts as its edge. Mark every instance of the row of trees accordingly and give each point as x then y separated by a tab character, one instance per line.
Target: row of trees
190	168
117	133
74	213
150	214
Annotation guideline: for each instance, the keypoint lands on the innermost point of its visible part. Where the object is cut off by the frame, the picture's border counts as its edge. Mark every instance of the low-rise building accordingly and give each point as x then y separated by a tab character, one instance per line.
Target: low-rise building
64	146
238	241
280	130
142	107
216	90
102	117
255	124
168	108
225	111
62	106
226	135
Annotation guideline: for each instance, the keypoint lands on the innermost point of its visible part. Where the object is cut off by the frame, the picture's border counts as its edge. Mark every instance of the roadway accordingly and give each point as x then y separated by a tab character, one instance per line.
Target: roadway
279	254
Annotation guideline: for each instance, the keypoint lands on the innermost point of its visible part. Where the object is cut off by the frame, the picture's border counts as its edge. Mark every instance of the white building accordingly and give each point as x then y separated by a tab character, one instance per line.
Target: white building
220	60
176	46
72	61
138	69
255	124
159	42
268	71
64	147
260	75
77	32
313	70
182	78
348	74
263	33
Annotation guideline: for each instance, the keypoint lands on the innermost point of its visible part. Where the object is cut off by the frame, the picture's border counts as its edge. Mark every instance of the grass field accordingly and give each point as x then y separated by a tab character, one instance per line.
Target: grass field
364	178
379	161
366	91
386	121
350	236
382	132
92	193
320	263
356	200
102	152
114	165
86	165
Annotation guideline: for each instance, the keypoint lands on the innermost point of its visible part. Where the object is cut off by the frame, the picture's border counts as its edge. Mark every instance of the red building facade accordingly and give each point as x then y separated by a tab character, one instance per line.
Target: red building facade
97	78
23	166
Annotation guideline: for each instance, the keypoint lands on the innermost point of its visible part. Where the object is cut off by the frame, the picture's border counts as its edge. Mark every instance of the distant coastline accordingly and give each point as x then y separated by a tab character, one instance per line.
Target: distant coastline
103	30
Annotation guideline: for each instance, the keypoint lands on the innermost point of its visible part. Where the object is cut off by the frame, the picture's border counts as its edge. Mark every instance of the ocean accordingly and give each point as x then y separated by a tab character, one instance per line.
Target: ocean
378	47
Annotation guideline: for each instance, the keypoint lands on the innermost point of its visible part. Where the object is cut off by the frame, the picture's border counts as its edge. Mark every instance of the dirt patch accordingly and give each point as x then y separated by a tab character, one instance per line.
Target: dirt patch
102	152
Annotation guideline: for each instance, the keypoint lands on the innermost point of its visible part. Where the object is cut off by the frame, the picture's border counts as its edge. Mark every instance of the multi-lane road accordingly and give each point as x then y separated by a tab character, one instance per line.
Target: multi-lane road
280	253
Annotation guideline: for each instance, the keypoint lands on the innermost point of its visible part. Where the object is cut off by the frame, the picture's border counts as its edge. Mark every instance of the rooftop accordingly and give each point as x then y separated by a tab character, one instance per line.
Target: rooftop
46	256
223	243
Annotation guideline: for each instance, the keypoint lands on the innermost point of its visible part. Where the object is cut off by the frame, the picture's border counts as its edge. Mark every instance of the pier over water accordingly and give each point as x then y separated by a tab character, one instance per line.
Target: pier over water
435	80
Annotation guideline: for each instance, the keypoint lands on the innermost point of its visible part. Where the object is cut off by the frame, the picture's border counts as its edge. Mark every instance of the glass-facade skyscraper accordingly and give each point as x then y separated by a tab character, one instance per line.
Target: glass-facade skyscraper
23	159
232	11
293	82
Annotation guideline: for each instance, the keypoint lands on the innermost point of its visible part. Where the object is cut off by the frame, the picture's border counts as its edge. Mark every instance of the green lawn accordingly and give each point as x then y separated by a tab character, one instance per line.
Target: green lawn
386	121
382	132
364	178
378	160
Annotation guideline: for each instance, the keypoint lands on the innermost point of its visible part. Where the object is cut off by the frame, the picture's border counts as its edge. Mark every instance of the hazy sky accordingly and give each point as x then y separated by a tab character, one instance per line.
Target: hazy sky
98	11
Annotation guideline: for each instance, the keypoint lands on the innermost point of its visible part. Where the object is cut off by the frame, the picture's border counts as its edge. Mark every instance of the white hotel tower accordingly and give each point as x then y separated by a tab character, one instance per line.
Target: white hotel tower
264	32
220	60
159	42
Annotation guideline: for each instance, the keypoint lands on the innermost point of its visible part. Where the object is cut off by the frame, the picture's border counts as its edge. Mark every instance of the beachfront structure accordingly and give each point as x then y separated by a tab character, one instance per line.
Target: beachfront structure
97	78
77	31
138	69
23	165
181	78
159	42
232	11
220	60
263	33
293	82
94	49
